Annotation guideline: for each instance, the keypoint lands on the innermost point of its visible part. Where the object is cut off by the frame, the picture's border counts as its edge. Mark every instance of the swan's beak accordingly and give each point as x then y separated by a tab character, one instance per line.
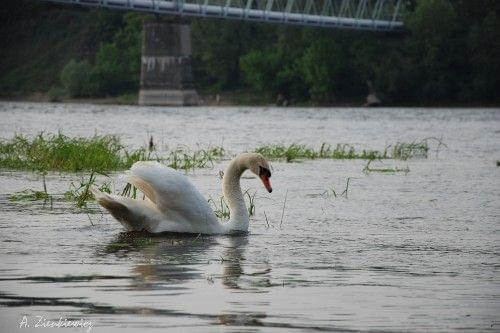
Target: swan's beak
267	183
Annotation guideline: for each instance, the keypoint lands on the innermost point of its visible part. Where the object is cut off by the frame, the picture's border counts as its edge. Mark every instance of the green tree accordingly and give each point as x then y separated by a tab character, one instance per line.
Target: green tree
326	69
435	50
484	51
117	63
217	48
75	78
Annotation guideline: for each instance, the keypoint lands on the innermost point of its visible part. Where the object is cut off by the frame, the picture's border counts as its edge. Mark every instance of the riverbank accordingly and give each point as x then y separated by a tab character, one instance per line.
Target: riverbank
232	98
239	98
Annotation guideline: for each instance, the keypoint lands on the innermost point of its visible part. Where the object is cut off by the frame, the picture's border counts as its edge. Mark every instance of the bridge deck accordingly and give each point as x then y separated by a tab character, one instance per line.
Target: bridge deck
376	15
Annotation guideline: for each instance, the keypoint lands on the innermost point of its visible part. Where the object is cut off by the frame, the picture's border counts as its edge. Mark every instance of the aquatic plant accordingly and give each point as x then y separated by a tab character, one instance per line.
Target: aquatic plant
128	242
250	202
32	195
332	193
59	152
283	210
368	169
129	191
79	193
221	208
289	153
295	151
401	150
29	195
406	150
184	159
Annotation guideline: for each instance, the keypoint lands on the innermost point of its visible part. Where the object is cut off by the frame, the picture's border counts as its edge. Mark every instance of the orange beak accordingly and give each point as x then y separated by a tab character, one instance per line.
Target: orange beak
267	183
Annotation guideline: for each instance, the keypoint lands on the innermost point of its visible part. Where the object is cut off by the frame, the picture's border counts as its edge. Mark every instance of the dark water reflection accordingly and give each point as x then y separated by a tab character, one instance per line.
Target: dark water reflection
415	252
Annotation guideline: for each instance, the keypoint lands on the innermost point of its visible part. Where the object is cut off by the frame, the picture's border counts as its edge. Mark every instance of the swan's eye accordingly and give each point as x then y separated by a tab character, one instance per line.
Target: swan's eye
264	172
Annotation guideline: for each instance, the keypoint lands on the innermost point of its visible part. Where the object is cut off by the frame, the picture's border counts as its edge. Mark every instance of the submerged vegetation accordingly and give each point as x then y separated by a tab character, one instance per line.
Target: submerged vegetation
401	150
406	150
295	152
221	208
367	169
62	153
30	195
58	152
331	192
100	154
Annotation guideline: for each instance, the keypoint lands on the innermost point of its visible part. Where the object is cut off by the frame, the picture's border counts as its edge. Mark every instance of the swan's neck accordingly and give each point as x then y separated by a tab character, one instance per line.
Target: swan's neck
234	197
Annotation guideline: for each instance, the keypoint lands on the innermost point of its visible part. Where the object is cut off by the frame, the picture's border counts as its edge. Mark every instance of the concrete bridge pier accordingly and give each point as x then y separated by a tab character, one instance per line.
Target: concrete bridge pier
166	76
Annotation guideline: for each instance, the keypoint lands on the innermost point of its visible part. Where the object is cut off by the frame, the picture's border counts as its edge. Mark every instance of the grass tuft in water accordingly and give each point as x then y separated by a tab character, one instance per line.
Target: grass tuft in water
32	195
184	159
221	208
401	150
80	193
59	152
341	151
128	243
406	150
331	192
29	195
367	169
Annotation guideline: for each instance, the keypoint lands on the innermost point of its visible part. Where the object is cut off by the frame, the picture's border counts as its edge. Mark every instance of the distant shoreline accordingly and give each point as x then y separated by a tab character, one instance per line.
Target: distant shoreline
229	100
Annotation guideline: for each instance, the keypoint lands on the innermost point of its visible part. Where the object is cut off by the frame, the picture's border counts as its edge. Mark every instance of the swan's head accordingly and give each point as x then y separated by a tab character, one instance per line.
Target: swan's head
258	165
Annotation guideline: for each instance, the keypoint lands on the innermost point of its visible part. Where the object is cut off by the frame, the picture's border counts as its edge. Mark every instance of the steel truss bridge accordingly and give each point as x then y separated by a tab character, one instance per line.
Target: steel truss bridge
373	15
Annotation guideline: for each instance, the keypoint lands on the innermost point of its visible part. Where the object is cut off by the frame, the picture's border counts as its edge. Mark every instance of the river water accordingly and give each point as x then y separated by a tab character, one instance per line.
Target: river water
414	252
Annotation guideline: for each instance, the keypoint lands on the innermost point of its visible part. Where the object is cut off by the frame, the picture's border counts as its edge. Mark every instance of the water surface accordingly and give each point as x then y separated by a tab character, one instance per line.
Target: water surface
415	251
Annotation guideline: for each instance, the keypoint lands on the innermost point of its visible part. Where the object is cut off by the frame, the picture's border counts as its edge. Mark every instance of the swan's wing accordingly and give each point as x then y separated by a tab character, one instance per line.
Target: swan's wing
171	191
132	214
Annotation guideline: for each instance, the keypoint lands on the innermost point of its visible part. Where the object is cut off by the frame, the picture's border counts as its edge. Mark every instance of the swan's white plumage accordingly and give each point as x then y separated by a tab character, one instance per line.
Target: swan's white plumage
173	204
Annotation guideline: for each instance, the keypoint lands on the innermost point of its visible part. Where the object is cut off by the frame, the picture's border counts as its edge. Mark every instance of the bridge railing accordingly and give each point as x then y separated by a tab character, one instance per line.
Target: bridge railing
385	15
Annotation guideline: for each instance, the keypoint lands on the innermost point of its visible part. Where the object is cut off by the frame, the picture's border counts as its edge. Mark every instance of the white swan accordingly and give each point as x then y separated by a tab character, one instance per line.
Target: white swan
173	204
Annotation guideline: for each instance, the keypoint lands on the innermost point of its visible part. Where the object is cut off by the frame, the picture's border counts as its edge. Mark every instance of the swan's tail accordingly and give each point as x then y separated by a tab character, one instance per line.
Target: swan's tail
130	213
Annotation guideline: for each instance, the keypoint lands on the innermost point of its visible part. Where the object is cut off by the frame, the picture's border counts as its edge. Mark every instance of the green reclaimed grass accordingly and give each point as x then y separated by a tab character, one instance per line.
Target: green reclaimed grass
184	159
221	207
406	150
367	169
341	151
401	150
29	195
58	152
62	153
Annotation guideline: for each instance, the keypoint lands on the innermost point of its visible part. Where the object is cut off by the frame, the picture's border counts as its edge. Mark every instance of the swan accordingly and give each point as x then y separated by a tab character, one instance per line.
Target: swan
173	204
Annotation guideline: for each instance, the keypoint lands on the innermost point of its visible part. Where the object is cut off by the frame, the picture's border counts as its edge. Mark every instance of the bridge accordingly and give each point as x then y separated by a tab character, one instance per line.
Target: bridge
166	76
375	15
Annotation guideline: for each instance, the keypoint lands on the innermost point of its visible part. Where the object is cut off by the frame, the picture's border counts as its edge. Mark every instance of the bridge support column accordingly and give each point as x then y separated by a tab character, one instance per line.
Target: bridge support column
166	77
